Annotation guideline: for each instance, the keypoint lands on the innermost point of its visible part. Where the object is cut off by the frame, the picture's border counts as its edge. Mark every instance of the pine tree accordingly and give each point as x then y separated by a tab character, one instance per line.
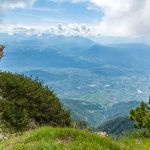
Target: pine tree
141	116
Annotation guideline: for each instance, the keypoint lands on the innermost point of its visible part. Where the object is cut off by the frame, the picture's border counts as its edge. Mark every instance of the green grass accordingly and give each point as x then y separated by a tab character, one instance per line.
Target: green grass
135	144
48	138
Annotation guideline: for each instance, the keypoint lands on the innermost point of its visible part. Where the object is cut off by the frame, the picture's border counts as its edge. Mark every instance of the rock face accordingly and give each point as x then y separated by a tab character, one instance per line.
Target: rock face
1	50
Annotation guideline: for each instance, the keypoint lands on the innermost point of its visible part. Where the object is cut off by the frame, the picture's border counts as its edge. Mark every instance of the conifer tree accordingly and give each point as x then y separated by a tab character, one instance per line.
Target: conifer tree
141	116
23	99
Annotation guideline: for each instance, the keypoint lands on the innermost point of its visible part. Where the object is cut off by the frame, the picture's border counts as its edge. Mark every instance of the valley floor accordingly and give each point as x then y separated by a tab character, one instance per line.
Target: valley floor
48	138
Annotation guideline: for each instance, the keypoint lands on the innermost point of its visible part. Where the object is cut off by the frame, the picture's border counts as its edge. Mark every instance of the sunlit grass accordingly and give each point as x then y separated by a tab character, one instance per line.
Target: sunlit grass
48	138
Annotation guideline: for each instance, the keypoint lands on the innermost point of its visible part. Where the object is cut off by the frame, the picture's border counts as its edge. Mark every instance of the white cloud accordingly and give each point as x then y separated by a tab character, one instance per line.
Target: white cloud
67	30
12	4
121	17
124	17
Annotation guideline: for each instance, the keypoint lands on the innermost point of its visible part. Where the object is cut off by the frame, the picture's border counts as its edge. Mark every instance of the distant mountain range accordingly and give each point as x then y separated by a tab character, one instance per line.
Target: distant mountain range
77	52
82	71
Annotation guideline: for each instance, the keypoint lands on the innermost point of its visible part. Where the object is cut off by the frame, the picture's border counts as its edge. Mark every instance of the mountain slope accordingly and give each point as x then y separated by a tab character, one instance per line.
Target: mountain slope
47	58
120	109
116	125
96	114
78	52
45	76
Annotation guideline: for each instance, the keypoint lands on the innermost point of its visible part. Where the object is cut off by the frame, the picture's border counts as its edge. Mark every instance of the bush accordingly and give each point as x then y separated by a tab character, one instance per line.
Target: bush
23	99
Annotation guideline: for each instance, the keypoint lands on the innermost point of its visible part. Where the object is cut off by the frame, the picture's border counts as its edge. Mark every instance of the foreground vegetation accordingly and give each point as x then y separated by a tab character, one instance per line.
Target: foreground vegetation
141	116
48	138
59	138
26	103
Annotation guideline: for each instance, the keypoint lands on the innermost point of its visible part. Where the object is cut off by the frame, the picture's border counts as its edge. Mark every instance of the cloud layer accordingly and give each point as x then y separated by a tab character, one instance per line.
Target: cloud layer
124	17
120	18
67	30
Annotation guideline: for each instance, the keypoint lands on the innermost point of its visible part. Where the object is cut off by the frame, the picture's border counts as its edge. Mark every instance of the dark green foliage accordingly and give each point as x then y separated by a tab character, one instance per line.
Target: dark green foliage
141	116
116	125
13	113
23	99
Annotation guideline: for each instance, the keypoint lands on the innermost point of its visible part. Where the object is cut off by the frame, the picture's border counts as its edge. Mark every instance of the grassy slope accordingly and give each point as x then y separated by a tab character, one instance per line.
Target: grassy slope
48	138
135	144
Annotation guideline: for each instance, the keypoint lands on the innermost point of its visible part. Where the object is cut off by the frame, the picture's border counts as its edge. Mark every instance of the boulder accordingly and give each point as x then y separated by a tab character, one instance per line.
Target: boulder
102	134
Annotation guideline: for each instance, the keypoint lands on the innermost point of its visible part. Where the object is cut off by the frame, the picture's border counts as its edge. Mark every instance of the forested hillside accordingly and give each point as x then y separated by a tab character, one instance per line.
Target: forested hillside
24	101
116	126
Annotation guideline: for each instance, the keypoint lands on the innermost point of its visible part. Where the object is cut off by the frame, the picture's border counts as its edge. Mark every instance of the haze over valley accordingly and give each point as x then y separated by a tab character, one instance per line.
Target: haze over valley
83	72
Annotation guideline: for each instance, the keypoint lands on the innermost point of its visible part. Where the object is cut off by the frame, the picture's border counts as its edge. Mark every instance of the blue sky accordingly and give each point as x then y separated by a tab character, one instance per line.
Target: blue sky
45	12
127	18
